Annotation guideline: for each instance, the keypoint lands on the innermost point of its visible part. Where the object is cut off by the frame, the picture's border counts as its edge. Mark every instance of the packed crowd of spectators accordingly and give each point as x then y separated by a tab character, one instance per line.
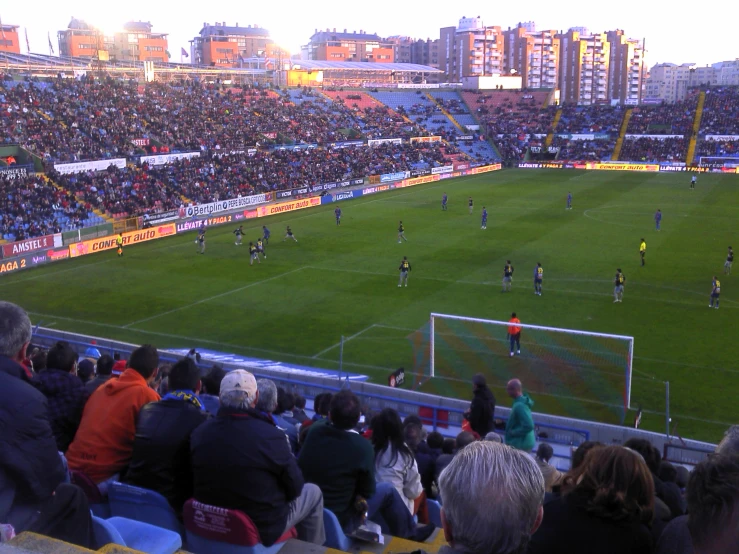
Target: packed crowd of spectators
586	150
654	150
229	440
33	207
590	119
208	178
664	119
727	148
720	111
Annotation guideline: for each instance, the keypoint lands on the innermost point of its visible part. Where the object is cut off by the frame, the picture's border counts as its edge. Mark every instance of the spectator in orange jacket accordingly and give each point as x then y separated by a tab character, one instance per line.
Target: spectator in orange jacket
103	445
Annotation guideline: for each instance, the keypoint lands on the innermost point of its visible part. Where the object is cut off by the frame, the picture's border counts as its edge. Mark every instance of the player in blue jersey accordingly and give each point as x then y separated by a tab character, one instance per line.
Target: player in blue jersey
538	277
337	213
658	219
569	200
265	234
715	292
443	202
484	218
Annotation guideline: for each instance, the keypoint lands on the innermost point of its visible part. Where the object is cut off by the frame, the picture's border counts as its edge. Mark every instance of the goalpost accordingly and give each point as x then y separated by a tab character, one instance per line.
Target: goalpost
575	369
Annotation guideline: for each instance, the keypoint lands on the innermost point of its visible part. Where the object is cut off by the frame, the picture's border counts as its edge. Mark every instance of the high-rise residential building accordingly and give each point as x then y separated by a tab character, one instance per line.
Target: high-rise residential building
426	52
9	41
727	73
470	50
348	47
137	42
532	54
224	45
627	70
669	82
402	47
584	67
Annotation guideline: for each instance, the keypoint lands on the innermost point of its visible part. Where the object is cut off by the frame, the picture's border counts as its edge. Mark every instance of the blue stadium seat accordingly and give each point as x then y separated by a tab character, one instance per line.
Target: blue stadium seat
135	535
335	537
434	509
143	505
211	529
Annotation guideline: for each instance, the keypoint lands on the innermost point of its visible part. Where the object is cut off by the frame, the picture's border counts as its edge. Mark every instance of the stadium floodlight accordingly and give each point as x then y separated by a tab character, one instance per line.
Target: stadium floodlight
571	366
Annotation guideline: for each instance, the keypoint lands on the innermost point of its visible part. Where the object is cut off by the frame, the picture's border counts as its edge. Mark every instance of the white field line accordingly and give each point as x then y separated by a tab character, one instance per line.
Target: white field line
354	336
214	297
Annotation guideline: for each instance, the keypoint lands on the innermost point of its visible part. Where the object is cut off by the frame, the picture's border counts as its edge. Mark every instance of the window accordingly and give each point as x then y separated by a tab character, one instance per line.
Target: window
85	46
154	49
335	55
225	50
6	42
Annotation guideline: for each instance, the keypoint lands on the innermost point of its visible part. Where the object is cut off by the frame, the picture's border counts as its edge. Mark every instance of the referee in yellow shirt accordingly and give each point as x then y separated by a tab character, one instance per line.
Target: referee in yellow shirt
643	251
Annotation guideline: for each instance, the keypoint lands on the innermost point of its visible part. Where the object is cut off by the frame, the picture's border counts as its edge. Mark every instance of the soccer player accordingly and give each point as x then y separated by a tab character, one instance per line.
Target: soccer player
729	261
507	276
253	254
470	203
618	288
484	218
239	234
265	234
443	202
658	219
200	241
260	248
538	276
693	180
405	269
715	292
289	235
514	333
119	244
569	200
401	232
337	213
643	251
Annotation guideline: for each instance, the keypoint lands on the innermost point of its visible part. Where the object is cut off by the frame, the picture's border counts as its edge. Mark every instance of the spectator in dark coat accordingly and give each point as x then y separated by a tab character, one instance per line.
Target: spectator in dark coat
482	409
65	393
85	370
606	507
669	496
161	449
211	386
449	448
712	523
668	476
242	461
33	496
103	372
426	455
299	410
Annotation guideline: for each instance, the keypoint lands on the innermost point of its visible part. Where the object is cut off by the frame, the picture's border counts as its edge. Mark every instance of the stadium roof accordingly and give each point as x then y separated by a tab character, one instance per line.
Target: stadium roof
219	30
322	65
324	36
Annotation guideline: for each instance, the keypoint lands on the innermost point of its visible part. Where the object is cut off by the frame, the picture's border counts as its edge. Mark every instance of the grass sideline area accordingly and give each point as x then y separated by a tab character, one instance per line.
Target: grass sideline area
336	281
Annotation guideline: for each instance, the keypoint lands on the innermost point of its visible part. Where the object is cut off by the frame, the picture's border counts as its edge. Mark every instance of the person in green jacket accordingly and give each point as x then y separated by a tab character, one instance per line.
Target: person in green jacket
519	429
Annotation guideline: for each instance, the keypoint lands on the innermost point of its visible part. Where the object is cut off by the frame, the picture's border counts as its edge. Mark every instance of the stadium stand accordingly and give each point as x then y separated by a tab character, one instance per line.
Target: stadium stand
644	149
584	150
719	112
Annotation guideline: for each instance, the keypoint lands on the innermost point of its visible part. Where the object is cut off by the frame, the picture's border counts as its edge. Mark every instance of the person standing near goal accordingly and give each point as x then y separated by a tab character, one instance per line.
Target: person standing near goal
569	200
507	276
405	269
618	288
471	204
514	333
693	181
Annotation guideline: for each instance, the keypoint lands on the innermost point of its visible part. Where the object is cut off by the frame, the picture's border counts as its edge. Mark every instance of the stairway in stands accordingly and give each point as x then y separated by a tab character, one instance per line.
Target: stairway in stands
445	112
621	134
550	136
696	127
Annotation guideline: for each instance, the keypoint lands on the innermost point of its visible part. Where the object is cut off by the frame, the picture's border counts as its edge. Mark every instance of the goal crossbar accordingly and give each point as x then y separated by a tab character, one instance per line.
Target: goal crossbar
629	340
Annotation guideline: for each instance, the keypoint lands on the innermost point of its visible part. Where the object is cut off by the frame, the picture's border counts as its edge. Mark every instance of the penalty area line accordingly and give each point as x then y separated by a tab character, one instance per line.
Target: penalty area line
354	336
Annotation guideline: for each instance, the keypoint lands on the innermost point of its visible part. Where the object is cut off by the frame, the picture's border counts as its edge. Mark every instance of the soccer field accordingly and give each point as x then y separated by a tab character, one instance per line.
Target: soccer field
336	281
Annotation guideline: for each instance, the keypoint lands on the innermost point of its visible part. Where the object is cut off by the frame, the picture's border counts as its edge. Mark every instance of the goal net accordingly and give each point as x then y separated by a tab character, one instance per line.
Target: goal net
575	373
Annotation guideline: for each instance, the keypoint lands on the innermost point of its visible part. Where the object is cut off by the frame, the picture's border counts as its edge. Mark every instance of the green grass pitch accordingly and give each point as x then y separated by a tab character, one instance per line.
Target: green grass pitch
338	281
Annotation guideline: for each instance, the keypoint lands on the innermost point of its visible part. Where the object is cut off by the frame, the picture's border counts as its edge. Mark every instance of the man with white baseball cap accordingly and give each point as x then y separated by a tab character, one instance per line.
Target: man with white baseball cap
241	461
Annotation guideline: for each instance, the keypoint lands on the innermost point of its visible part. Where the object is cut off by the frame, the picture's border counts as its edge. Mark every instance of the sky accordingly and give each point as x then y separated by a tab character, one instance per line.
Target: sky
673	33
